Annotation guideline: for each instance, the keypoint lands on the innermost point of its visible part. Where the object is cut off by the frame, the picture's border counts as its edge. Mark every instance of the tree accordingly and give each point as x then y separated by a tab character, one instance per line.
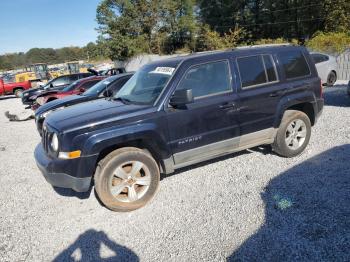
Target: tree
337	15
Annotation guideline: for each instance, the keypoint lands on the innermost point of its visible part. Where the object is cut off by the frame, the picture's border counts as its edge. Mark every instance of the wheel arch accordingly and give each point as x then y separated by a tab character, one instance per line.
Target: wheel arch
17	88
137	143
147	139
305	103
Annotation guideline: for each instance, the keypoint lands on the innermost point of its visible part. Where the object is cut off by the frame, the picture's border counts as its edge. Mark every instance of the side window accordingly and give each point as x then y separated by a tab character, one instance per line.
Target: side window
324	58
60	81
294	64
89	84
207	79
256	70
73	78
316	58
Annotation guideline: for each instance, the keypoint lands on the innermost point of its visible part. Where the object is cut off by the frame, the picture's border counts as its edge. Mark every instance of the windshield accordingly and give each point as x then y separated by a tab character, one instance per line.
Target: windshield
146	85
99	87
47	85
71	87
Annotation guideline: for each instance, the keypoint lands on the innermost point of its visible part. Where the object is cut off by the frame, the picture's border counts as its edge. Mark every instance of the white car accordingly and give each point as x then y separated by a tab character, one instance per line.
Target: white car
327	67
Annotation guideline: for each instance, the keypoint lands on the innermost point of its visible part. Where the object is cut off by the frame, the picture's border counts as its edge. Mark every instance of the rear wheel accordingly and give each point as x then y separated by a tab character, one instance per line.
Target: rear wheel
331	79
293	135
126	179
18	93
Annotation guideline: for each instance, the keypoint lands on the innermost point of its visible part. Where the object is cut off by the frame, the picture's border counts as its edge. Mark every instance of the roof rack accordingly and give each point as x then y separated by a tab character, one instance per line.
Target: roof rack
263	45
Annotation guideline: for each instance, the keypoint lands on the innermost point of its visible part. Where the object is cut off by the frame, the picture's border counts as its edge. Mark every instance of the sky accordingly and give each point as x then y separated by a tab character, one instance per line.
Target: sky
25	24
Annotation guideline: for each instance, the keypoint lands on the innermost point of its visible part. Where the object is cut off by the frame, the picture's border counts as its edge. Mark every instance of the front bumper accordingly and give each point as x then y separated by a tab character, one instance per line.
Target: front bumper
27	101
73	173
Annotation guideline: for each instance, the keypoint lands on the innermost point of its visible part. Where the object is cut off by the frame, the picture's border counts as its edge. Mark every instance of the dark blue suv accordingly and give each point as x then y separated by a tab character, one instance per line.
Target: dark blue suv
178	112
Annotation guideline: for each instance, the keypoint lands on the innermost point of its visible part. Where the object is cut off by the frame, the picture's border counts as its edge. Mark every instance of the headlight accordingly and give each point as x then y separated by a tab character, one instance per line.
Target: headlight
40	100
54	142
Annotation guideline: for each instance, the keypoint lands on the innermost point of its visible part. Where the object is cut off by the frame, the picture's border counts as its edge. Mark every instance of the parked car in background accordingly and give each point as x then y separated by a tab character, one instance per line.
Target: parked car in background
327	68
58	83
105	88
17	89
76	88
178	112
113	71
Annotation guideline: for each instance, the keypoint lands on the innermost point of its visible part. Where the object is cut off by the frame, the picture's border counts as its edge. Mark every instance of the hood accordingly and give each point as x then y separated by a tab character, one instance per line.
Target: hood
49	92
32	90
90	114
66	101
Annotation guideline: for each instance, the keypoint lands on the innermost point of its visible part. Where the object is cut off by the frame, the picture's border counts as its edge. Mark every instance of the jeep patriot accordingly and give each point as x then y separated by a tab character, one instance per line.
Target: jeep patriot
178	112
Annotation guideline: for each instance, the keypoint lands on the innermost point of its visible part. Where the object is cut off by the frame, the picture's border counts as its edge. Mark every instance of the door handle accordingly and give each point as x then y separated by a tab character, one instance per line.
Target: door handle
227	106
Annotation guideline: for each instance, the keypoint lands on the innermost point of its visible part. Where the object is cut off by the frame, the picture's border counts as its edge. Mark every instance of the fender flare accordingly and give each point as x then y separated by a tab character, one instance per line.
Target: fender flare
146	132
293	100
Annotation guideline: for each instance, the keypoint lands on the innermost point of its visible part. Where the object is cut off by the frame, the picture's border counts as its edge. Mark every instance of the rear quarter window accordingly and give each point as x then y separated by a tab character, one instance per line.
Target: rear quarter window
294	64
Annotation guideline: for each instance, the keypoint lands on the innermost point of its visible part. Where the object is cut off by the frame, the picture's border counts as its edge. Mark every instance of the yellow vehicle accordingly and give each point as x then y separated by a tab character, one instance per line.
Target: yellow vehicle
74	67
34	72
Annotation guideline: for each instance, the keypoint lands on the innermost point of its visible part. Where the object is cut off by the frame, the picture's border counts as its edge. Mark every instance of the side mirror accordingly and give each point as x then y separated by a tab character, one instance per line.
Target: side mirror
81	89
181	98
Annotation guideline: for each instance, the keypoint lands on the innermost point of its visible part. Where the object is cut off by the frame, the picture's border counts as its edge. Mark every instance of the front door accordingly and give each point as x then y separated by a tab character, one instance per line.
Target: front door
207	127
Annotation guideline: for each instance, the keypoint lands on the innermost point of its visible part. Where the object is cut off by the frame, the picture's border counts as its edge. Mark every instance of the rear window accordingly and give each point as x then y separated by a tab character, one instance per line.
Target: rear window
294	64
256	70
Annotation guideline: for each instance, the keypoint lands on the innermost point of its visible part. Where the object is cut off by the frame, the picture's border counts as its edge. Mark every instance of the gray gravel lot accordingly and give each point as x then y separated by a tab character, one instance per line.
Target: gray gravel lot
251	205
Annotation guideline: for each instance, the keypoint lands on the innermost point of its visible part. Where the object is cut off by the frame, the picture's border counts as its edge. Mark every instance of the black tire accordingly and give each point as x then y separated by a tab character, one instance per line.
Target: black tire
331	79
18	92
104	178
280	144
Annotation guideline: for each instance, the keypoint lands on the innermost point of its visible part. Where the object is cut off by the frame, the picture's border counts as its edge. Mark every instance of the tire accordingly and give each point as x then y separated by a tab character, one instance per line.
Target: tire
331	79
115	174
18	93
287	143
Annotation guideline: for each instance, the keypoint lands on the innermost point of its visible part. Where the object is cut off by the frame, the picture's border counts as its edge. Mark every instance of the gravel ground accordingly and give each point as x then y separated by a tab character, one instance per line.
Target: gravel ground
251	205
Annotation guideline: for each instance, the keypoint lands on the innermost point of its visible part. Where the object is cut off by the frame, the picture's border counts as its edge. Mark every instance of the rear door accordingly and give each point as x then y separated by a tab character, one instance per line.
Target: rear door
207	127
260	90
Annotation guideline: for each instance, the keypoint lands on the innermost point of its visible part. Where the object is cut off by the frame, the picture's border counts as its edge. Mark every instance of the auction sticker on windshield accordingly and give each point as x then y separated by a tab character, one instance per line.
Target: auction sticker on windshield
164	70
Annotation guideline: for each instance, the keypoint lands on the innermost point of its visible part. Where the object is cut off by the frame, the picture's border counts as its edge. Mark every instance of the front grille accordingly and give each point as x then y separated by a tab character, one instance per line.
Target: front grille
46	139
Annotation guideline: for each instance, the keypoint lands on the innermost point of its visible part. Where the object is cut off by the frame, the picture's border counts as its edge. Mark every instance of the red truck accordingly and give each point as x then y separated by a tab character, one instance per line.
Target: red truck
13	88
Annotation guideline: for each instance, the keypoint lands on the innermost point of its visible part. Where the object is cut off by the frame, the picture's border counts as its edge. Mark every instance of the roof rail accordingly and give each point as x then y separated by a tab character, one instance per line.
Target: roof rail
263	45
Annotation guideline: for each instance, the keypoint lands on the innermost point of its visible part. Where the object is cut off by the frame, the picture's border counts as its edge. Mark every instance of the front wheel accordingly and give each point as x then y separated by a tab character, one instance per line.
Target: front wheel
293	134
126	179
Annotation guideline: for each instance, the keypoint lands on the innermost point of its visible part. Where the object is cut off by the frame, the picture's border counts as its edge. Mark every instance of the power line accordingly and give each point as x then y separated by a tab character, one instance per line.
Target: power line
276	23
262	11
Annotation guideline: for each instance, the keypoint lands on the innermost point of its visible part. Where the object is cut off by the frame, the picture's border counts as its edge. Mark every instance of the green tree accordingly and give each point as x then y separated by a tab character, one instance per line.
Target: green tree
337	15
